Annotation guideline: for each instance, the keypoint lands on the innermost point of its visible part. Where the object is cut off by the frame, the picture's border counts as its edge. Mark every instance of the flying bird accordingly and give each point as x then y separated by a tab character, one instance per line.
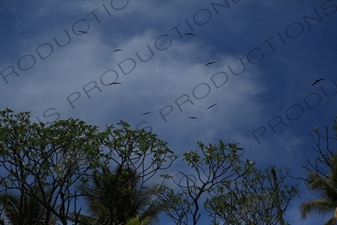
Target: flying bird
114	83
211	106
117	50
209	63
191	34
192	117
83	32
146	113
316	81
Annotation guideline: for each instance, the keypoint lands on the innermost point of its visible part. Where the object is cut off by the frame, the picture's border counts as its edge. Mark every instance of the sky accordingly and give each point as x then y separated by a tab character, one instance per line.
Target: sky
267	53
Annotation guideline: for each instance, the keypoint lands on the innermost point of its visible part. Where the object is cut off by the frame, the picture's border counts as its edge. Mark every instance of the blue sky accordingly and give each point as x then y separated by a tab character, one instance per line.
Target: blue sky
276	48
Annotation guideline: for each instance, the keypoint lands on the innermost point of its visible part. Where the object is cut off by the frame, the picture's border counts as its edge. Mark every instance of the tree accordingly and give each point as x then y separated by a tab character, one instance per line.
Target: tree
61	158
136	221
224	185
33	212
118	198
51	159
324	144
322	175
257	198
59	164
138	156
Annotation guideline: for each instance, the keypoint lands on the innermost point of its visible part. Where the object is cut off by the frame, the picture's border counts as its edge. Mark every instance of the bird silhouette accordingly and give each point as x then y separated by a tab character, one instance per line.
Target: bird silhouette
209	63
146	113
316	81
83	32
192	117
117	50
191	34
211	106
114	83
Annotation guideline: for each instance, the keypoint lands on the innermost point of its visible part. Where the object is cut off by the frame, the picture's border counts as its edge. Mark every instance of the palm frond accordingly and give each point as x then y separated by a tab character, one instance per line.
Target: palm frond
117	196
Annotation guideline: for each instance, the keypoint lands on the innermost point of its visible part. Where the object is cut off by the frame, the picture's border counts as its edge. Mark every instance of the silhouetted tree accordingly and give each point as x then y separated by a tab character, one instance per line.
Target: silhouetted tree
230	189
322	175
119	196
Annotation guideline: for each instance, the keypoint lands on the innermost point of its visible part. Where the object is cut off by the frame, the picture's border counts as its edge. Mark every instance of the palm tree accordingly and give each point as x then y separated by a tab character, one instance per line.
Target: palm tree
327	188
136	221
24	209
116	197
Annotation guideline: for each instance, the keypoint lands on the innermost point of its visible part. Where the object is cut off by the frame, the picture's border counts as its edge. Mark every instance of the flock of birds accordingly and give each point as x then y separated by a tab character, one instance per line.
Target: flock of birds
207	64
191	117
146	113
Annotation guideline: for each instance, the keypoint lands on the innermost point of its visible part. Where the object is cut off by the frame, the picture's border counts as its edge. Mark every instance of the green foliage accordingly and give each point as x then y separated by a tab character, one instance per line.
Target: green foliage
127	145
54	166
326	188
29	209
63	156
219	181
252	199
119	196
136	221
47	157
322	175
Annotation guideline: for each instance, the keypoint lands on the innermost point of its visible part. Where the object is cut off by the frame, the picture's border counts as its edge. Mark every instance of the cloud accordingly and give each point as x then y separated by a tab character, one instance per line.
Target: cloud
176	78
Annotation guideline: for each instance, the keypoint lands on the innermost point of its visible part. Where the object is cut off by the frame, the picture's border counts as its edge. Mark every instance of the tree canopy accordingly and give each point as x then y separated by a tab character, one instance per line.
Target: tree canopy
322	175
61	159
74	173
231	190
